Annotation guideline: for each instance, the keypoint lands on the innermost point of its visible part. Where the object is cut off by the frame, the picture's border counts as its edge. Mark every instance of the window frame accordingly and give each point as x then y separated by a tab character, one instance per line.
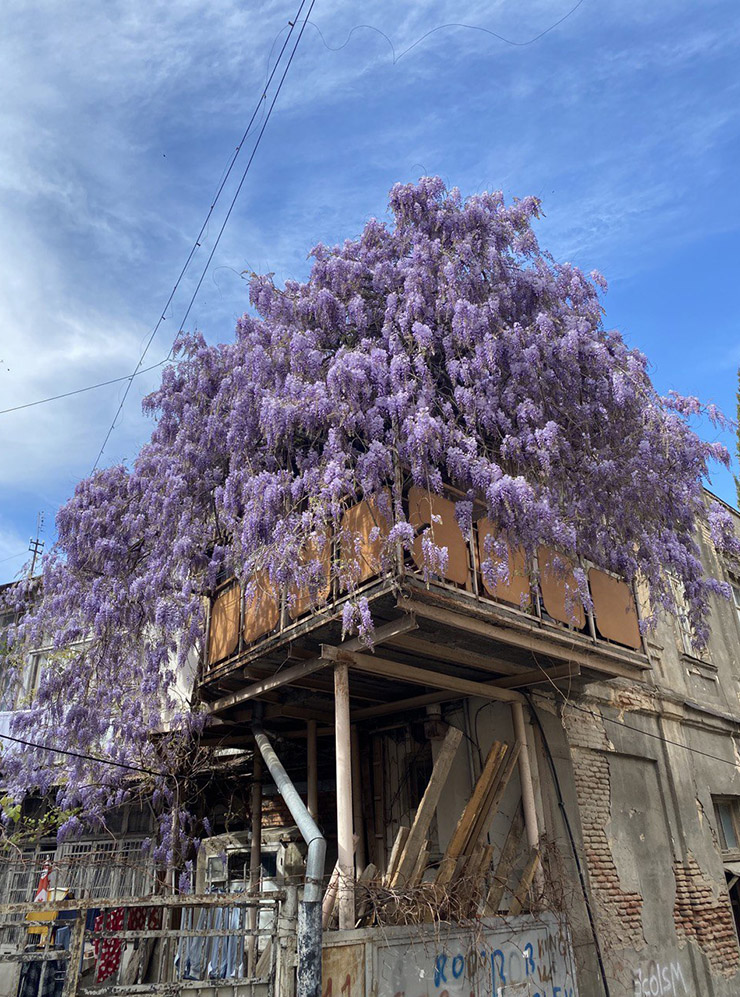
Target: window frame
733	805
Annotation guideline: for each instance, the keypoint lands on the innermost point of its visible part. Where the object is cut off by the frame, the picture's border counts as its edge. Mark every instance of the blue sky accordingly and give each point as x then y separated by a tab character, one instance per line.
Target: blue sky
119	119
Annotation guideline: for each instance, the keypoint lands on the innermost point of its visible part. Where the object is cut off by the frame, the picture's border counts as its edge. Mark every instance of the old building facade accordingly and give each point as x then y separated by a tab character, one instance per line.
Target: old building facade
515	795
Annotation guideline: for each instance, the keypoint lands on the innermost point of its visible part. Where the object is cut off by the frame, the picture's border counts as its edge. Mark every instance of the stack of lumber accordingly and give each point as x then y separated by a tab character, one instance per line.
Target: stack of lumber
408	859
410	890
468	856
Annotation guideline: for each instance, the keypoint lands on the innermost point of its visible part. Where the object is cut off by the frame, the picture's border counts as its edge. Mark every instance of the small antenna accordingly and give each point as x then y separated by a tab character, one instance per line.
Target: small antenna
36	546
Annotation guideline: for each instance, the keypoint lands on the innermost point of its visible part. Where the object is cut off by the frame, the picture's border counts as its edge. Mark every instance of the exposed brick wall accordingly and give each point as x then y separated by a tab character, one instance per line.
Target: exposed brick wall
619	913
704	918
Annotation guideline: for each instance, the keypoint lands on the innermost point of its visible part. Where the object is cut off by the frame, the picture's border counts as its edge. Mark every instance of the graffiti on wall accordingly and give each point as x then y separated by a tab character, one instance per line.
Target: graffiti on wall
523	958
659	979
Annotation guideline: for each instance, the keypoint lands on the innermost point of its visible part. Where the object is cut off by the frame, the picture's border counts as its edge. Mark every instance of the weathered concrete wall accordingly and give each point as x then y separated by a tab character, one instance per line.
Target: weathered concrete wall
523	955
645	766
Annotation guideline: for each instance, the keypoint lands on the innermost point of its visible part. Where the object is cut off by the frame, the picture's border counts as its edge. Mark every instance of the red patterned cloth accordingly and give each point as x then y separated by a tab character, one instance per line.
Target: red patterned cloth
108	950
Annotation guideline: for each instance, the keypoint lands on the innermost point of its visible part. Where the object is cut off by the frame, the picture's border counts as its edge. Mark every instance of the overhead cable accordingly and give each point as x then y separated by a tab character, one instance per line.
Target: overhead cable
196	244
80	754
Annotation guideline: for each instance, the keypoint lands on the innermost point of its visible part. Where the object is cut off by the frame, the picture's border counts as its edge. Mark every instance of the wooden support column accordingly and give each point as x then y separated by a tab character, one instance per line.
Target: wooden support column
312	797
525	777
360	853
255	859
343	738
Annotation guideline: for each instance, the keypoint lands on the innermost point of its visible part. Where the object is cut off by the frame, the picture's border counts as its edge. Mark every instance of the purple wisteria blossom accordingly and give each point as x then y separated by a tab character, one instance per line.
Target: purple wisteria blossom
443	347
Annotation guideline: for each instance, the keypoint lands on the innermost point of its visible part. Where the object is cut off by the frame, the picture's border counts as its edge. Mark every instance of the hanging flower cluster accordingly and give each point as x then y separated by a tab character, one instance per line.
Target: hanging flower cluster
444	348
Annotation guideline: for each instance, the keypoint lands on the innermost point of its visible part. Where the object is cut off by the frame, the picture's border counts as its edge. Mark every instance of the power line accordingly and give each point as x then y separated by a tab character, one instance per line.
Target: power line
13	556
330	48
246	169
443	27
197	243
79	754
647	733
88	387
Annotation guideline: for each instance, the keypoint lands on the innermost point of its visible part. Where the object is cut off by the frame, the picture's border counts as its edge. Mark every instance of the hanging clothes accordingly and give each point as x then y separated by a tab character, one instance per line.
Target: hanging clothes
108	950
30	982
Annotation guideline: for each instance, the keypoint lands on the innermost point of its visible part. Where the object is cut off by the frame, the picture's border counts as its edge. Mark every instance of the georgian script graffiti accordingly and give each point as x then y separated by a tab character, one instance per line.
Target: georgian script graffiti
533	959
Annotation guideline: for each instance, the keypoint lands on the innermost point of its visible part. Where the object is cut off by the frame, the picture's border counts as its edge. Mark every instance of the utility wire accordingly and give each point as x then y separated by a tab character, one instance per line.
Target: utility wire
196	244
79	391
330	48
638	730
246	170
79	754
13	556
443	27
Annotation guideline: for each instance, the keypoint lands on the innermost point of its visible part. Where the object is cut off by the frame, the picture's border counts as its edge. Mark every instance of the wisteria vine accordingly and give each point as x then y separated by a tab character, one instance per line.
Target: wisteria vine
442	349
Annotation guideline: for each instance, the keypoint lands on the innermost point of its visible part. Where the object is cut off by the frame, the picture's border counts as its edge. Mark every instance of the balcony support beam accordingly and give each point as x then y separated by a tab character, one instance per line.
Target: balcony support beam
294	674
419	676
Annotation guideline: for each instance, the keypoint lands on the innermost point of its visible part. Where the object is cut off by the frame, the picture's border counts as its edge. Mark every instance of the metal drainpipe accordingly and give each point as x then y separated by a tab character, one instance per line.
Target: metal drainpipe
309	911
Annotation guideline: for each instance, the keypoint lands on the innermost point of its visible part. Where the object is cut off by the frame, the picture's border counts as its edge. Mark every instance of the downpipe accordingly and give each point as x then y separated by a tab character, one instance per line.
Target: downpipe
308	982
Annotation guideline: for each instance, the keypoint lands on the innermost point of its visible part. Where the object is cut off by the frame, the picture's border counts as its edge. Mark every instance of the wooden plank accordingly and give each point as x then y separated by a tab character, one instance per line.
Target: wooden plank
446	870
461	833
304	668
421	863
495	794
456	655
538	675
369	873
419	676
379	803
401	836
427	806
525	882
505	863
552	644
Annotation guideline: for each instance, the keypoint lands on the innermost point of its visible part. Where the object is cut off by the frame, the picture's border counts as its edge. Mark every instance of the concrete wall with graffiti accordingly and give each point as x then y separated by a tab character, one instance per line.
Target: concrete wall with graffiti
518	957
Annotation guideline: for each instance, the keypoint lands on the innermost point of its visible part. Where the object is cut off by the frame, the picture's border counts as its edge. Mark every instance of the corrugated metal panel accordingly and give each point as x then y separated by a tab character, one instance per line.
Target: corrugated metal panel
614	609
559	589
262	611
303	601
357	524
517	589
438	513
223	635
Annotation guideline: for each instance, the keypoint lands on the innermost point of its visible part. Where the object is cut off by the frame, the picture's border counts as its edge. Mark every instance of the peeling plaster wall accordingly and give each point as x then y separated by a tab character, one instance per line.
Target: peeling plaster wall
645	761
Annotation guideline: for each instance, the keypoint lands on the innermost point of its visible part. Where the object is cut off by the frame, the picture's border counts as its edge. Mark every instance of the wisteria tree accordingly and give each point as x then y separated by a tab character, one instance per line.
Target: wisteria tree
445	343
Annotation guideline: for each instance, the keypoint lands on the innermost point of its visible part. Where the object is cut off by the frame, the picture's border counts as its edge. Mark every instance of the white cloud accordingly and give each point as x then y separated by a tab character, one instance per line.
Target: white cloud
120	118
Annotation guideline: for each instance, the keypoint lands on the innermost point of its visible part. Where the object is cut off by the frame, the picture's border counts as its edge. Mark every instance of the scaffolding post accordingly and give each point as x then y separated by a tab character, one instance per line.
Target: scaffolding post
345	849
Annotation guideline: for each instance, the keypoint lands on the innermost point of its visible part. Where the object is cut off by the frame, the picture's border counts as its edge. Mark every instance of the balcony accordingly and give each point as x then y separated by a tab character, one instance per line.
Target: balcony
450	636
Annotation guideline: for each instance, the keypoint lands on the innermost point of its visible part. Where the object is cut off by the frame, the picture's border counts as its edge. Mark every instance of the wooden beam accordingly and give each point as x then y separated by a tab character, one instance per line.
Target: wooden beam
537	675
455	655
401	705
417	838
293	674
419	676
276	711
345	849
283	677
417	702
551	644
357	822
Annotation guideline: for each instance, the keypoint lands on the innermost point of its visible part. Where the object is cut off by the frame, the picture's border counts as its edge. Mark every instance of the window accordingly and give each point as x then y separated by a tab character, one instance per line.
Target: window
727	814
735	586
682	618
